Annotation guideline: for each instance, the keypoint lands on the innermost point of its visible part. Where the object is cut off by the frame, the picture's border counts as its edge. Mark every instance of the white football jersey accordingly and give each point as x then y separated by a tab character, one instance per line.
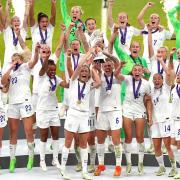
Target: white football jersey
137	104
10	49
158	39
36	37
47	99
109	100
35	72
175	114
73	95
19	89
131	31
161	106
154	67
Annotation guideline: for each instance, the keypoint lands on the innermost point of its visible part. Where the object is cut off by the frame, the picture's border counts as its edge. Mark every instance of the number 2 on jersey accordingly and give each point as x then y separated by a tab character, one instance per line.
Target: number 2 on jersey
2	118
14	80
28	108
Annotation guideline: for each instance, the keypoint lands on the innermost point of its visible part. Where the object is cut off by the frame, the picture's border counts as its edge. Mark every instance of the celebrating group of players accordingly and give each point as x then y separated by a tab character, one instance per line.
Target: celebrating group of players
108	86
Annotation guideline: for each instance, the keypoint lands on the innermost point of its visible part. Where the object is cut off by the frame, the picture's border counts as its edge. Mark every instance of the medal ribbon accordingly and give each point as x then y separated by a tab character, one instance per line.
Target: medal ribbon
146	32
123	36
15	39
177	70
75	61
160	70
53	86
41	61
81	91
109	83
178	90
135	61
43	40
17	67
136	91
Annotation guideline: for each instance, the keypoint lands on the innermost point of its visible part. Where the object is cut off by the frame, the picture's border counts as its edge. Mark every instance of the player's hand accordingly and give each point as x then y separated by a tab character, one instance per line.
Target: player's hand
37	47
149	4
71	25
149	27
173	50
150	122
53	1
63	27
79	26
69	52
116	28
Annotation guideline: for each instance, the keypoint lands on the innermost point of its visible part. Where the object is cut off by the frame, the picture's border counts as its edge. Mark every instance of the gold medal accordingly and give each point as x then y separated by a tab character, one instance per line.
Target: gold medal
79	102
170	99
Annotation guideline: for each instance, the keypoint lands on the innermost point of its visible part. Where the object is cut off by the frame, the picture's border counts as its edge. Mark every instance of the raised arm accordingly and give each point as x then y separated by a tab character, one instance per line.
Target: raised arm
26	14
36	57
173	19
6	77
7	21
109	14
150	46
1	18
96	78
64	13
142	12
168	72
117	72
170	62
31	13
69	65
20	39
112	39
85	58
82	37
53	12
61	42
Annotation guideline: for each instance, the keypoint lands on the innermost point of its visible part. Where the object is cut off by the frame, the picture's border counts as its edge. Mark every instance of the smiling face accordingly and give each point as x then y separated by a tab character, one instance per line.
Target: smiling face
84	73
154	20
137	72
75	47
122	19
158	81
135	49
44	51
107	68
91	25
51	71
162	53
75	13
15	22
43	23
